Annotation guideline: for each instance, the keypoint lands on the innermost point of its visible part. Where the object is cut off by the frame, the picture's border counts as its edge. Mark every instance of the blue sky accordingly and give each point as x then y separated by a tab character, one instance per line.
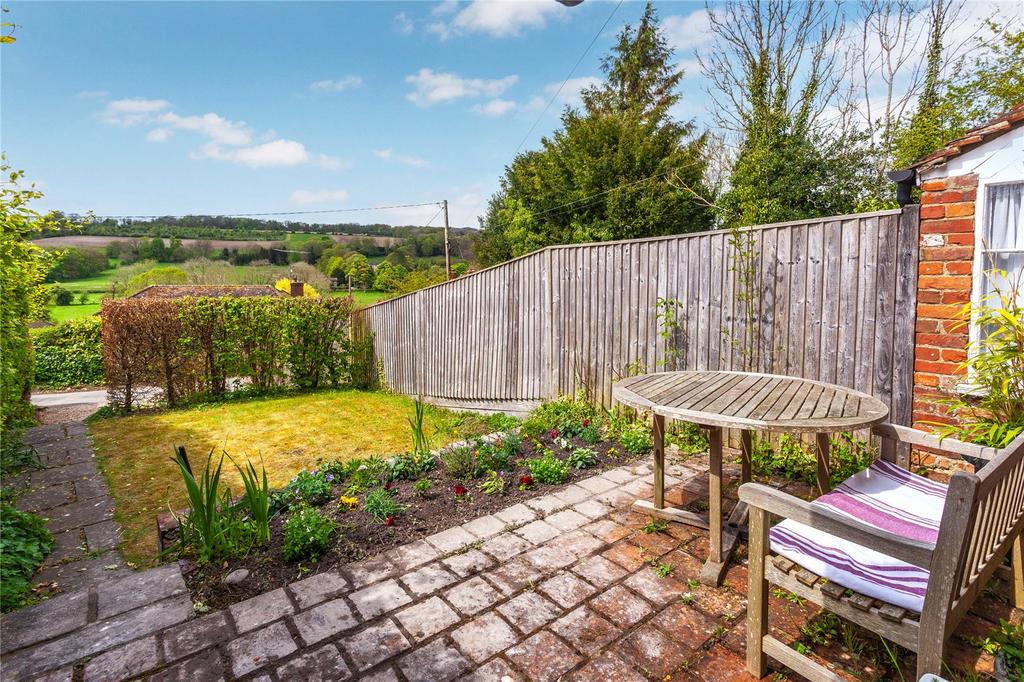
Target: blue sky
166	108
139	108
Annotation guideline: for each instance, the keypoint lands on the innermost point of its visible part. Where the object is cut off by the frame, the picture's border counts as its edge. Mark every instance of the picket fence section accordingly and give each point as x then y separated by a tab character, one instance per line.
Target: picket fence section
833	299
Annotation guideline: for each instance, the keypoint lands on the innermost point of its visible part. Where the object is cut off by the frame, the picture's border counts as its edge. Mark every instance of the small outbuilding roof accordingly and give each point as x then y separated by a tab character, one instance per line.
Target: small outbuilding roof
1000	125
210	290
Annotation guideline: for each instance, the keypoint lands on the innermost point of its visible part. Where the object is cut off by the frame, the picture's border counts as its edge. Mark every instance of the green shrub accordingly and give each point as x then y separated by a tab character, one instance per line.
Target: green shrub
381	504
69	354
423	486
15	456
307	534
61	296
24	543
792	460
591	432
548	469
636	438
565	415
459	461
688	437
410	466
309	488
581	458
366	473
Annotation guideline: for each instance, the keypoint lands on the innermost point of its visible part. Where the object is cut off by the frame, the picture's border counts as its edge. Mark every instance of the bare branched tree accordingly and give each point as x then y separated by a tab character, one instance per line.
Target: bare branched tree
777	55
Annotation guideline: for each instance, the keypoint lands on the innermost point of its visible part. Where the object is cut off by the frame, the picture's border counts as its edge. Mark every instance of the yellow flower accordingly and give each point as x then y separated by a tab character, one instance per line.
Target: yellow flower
350	502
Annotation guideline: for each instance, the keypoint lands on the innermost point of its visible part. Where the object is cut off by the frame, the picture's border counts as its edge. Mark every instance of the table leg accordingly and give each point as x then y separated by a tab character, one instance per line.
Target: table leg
823	463
712	570
659	461
747	445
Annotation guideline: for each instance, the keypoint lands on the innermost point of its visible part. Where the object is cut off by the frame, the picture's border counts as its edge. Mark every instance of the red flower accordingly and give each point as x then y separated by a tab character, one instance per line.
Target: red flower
387	486
460	491
554	433
526	480
586	423
389	521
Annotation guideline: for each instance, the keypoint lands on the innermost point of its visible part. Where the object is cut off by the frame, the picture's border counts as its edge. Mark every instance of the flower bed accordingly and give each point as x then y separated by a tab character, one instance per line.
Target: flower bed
343	512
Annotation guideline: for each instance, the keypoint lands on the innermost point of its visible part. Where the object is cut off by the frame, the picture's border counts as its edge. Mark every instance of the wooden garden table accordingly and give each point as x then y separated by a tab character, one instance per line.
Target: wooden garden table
747	401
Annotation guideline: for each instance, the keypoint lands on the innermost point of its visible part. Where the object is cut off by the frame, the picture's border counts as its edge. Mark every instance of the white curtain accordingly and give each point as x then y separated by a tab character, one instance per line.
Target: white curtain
1003	245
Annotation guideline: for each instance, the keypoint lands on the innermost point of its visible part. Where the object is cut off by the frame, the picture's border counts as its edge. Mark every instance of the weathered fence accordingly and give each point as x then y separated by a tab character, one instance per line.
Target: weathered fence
831	299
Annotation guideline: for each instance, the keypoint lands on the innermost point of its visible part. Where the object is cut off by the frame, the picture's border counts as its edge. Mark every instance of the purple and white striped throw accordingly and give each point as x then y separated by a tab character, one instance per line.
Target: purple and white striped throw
886	497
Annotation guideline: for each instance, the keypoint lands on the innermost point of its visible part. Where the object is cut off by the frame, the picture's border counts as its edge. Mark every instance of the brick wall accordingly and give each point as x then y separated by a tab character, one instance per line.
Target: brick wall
944	286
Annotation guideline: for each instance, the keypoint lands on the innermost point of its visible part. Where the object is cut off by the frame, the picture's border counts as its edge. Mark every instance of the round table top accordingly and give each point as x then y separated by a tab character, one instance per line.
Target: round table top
748	400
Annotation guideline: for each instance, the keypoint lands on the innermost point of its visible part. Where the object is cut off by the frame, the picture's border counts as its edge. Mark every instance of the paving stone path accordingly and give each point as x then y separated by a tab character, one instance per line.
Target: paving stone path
560	587
71	494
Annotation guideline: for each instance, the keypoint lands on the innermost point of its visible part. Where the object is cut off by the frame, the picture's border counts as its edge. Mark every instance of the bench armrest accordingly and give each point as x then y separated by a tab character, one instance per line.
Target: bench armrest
782	504
905	434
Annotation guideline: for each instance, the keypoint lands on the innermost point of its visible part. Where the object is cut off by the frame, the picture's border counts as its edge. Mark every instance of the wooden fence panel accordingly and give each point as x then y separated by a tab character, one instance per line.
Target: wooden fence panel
829	300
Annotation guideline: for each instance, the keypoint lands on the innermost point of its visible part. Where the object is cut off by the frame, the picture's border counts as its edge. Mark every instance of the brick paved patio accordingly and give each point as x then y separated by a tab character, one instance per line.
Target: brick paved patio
560	587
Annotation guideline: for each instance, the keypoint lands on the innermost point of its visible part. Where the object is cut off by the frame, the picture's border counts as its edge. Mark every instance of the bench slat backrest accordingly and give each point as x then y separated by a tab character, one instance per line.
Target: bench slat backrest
984	513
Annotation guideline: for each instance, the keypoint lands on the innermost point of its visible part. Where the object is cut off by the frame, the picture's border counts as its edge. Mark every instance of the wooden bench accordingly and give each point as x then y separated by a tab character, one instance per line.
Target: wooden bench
981	520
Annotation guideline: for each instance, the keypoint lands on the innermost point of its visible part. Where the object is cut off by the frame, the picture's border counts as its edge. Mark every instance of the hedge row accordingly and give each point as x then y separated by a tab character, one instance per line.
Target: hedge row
69	354
200	345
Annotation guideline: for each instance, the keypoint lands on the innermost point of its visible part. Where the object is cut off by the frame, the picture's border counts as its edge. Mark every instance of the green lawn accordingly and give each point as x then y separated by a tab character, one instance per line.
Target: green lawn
363	298
63	313
289	433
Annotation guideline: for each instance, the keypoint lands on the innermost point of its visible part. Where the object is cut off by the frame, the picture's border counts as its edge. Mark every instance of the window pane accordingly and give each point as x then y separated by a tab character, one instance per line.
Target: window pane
1013	264
1004	216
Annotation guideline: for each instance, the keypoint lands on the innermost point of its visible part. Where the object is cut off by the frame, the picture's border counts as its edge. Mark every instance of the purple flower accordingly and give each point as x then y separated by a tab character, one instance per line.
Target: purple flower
330	477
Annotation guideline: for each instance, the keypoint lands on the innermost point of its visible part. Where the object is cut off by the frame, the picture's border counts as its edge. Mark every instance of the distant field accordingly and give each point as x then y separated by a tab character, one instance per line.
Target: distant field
365	298
63	313
297	238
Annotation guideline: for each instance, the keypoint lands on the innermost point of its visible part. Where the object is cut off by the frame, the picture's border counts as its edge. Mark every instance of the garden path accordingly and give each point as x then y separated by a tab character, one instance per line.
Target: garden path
563	586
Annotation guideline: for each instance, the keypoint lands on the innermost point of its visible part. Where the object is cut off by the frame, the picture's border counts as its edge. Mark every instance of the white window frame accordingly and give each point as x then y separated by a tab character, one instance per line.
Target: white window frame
979	267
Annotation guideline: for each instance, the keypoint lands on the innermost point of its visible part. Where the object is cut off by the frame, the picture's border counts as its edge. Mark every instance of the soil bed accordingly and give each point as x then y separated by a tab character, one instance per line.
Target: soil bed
360	536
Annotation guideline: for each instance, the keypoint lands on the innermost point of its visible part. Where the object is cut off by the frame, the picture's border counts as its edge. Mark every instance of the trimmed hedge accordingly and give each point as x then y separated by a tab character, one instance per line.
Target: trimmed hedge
69	354
192	346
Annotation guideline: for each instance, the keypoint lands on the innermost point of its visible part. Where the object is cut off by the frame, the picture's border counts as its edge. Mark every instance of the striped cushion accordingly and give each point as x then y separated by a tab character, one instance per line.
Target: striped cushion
886	497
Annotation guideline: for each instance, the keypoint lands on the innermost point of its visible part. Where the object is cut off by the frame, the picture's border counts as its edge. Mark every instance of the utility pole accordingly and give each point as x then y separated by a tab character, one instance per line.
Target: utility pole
447	258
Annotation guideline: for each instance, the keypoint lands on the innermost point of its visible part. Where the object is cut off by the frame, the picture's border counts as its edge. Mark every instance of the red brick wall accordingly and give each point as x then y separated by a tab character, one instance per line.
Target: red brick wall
944	286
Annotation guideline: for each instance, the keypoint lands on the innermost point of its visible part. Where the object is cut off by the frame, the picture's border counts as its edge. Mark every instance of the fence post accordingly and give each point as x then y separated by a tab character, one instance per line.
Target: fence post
904	327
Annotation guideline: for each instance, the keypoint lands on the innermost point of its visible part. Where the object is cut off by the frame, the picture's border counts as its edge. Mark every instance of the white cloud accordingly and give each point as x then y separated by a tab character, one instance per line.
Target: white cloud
689	32
404	23
321	196
569	94
133	110
225	140
337	85
499	18
496	107
383	153
217	128
414	161
433	87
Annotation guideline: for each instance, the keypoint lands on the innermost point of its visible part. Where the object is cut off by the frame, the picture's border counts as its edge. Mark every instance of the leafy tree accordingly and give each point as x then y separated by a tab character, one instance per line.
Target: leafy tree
62	296
163	275
23	267
387	276
987	82
606	173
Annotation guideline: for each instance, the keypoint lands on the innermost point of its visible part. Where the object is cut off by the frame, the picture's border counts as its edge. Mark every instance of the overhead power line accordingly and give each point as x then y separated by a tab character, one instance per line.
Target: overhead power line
272	213
571	72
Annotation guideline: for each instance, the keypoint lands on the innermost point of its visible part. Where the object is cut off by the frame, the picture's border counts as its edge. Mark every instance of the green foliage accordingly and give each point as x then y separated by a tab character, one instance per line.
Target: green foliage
662	569
24	543
423	486
211	527
15	456
366	473
307	534
565	415
636	438
619	168
791	460
257	499
381	504
582	458
459	461
984	83
69	354
306	488
61	296
162	275
410	465
1009	639
994	416
74	263
420	441
655	526
23	267
493	483
548	469
688	437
